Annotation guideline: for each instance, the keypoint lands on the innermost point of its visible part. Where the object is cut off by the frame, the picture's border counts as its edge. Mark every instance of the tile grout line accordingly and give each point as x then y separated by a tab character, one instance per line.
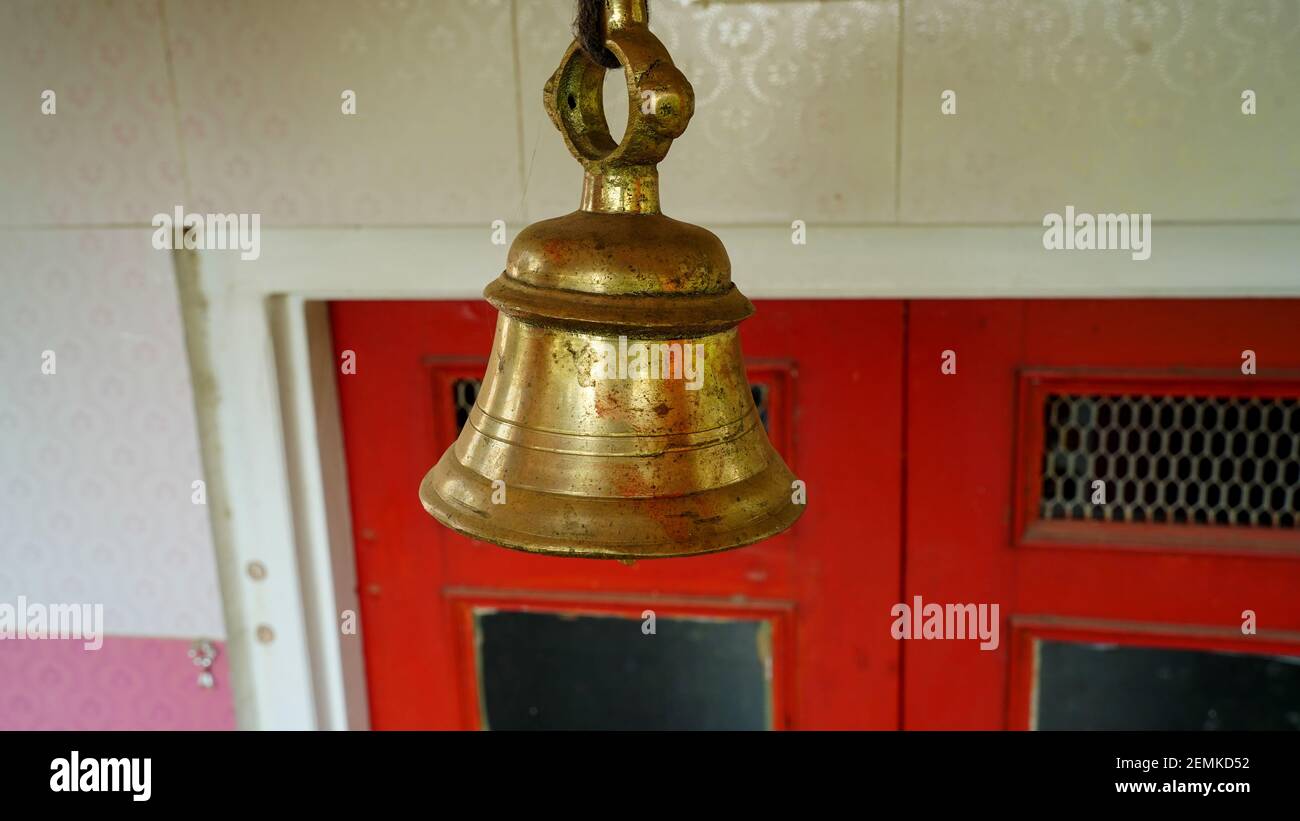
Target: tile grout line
519	108
898	120
169	64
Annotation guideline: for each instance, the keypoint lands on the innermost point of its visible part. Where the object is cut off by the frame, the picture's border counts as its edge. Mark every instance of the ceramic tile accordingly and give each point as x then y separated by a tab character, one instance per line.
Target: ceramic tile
434	138
1112	105
794	110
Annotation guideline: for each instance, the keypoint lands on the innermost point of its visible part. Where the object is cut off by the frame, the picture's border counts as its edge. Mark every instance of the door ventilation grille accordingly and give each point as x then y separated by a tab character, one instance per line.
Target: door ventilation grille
762	391
464	393
1172	459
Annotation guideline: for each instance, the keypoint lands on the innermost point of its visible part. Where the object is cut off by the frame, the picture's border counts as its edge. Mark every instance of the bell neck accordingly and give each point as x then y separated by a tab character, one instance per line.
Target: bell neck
630	189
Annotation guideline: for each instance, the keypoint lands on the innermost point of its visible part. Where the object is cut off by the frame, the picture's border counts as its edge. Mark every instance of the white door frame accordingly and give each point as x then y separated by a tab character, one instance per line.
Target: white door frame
263	373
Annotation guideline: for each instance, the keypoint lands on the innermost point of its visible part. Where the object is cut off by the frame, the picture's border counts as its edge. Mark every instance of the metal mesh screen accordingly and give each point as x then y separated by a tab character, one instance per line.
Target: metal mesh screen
1172	459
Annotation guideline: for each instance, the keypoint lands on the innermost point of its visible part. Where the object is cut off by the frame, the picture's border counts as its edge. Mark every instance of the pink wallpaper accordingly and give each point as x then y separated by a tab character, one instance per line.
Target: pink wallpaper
128	684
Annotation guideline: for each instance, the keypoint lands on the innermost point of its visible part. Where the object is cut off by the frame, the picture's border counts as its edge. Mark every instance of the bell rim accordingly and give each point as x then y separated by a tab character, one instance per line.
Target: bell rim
462	519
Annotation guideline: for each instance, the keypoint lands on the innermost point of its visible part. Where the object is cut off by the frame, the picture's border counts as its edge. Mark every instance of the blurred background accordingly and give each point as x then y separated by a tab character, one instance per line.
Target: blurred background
924	235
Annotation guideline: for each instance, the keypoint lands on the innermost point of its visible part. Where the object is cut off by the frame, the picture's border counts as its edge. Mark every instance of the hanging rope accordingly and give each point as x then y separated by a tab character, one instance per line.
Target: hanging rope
589	29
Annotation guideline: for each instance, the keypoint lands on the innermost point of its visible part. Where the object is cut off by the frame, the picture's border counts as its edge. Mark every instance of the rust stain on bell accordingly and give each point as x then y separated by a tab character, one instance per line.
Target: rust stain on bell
615	419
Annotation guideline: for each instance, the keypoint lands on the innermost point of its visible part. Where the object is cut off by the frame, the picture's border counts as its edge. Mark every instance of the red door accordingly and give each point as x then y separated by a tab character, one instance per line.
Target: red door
1127	612
952	452
460	634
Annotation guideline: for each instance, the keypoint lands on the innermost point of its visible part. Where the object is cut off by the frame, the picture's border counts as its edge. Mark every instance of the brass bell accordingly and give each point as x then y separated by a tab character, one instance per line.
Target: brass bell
615	419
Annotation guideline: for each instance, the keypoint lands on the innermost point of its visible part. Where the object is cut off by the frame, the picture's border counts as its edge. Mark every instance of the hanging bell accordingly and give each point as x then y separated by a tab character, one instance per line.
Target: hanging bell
615	419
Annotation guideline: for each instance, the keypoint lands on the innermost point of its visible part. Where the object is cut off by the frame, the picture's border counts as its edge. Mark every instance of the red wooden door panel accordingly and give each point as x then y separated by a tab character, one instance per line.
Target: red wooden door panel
976	533
921	484
833	375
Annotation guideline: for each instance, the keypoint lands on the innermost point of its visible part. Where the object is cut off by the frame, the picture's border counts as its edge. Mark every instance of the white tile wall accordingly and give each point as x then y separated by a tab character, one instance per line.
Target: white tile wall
794	110
1109	105
435	137
1103	104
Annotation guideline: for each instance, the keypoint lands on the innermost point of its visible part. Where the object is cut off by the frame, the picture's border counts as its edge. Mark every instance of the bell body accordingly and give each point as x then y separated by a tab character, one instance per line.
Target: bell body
566	453
615	420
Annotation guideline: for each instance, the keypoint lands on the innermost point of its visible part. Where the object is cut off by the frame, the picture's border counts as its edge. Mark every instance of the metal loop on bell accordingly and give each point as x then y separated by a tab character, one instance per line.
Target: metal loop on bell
621	176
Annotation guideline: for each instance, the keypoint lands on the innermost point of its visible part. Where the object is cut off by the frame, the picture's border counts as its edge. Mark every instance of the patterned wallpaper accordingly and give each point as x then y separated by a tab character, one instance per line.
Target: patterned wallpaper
822	111
110	152
100	456
97	461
